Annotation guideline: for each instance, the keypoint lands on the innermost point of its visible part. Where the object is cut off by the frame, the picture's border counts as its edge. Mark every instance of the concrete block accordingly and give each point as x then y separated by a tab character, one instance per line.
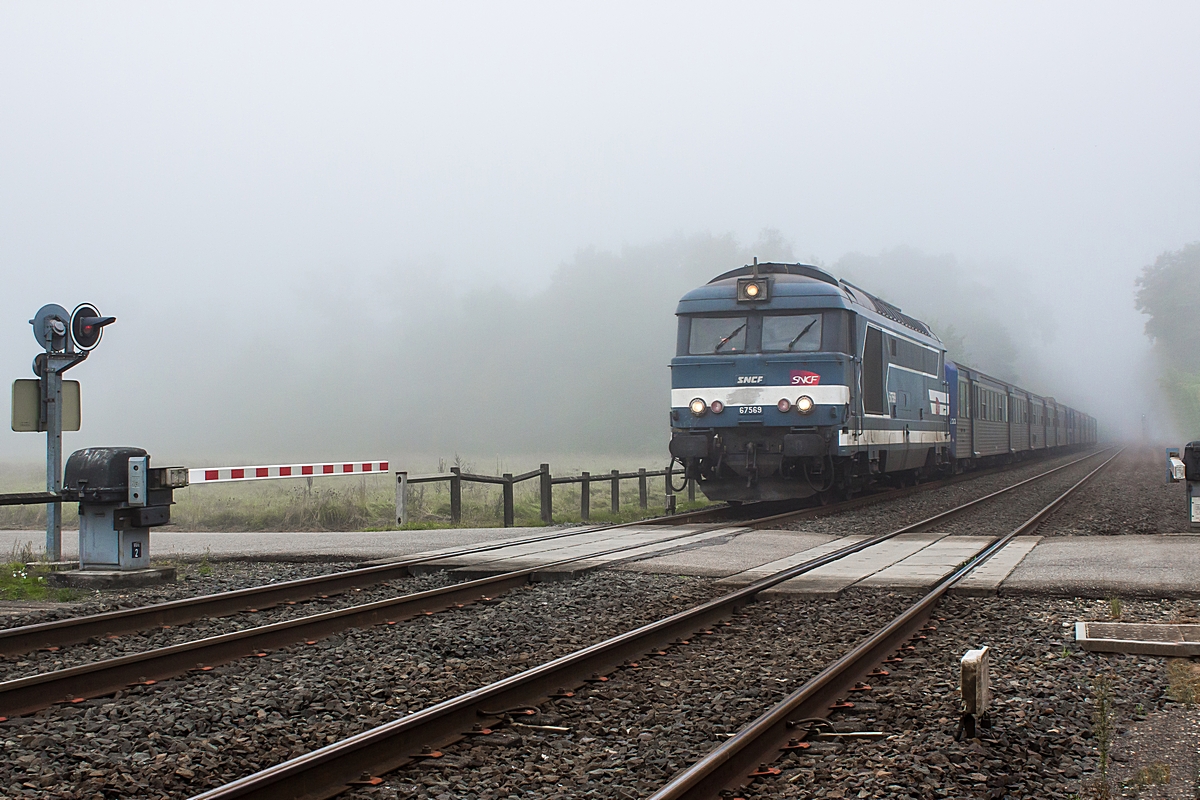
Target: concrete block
1147	639
112	579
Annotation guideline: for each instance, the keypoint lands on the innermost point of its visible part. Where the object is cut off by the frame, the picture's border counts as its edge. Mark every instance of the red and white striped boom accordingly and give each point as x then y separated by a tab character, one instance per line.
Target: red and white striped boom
226	474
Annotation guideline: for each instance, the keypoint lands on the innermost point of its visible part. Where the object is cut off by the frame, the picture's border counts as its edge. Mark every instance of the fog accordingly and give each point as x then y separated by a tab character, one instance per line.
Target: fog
389	231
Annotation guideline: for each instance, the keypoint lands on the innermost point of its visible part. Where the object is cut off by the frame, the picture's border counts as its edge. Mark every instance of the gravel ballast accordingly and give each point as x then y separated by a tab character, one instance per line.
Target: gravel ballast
1042	742
13	667
195	579
897	512
178	737
1131	496
625	736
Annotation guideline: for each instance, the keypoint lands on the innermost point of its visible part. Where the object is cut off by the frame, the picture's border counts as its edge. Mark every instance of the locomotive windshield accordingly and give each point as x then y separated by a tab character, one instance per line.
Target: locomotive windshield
799	333
717	335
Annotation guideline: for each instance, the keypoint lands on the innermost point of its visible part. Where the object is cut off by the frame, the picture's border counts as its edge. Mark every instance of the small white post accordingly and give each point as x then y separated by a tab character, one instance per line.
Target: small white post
976	689
401	498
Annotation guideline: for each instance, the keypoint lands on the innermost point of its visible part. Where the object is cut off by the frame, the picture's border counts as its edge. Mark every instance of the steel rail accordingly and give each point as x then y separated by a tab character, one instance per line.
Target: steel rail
334	768
760	742
23	639
35	692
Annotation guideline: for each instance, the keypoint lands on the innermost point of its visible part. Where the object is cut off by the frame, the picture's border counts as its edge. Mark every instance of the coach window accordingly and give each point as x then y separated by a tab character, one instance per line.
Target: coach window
711	335
795	333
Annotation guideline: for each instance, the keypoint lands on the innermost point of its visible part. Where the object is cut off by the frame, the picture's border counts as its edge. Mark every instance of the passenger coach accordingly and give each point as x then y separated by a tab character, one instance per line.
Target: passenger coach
789	383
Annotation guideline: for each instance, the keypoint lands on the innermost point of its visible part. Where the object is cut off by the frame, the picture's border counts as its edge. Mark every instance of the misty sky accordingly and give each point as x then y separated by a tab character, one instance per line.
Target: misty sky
243	183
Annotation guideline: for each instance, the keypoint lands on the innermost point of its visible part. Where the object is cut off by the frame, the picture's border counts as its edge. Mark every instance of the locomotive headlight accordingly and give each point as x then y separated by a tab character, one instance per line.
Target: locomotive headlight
805	404
717	406
784	405
698	407
752	290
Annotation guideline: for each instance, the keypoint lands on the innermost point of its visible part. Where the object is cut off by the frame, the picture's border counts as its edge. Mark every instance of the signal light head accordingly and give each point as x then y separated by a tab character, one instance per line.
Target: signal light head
87	326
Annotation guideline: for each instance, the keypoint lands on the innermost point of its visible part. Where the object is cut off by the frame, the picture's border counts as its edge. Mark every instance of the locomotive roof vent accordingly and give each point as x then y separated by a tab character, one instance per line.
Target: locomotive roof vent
886	309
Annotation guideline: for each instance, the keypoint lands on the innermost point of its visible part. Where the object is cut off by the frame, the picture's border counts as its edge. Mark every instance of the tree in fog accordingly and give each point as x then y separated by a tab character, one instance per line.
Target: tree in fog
1169	293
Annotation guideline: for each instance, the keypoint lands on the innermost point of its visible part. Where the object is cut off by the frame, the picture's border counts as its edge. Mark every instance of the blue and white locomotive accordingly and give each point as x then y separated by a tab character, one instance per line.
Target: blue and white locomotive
788	383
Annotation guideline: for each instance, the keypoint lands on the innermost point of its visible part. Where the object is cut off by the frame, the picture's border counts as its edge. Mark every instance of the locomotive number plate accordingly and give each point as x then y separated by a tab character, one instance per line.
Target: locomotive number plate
744	410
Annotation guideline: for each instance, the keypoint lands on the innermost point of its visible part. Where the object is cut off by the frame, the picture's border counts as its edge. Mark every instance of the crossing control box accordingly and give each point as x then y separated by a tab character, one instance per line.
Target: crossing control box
1184	467
120	499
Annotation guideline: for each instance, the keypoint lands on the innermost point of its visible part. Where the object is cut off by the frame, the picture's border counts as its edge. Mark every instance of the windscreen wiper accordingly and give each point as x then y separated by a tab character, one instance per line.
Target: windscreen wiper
725	341
800	335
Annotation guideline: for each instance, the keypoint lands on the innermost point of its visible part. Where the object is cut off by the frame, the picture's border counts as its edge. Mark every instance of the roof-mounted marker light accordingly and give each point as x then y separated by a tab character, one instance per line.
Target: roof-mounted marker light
753	290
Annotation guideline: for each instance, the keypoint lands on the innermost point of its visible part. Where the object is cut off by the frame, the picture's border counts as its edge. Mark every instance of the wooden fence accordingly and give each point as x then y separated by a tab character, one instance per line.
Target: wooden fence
546	483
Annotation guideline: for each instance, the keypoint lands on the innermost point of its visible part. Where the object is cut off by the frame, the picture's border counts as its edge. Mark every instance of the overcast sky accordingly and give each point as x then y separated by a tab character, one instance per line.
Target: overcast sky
203	170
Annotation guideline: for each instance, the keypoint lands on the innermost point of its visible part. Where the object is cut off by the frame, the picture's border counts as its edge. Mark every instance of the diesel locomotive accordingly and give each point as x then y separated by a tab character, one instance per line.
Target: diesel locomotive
788	383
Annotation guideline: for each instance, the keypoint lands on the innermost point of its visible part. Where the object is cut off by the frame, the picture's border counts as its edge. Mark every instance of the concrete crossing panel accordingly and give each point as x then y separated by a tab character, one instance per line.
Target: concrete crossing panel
925	568
831	579
986	579
747	550
771	567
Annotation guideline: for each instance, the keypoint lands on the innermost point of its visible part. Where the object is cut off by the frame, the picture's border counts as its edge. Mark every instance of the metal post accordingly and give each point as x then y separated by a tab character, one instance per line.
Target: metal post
508	500
585	496
691	490
52	408
643	495
670	501
455	495
402	498
616	492
545	493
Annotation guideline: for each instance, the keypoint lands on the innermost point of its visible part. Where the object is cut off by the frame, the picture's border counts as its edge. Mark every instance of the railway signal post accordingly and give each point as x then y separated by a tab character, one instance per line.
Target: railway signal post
39	405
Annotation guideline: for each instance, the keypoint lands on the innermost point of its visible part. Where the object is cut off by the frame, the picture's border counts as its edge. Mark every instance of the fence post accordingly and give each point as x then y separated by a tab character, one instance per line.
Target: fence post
670	502
508	500
616	492
547	496
642	493
455	495
691	490
401	498
585	496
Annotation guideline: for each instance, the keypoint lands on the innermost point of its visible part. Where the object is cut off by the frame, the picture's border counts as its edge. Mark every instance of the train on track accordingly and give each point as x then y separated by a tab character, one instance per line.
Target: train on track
788	383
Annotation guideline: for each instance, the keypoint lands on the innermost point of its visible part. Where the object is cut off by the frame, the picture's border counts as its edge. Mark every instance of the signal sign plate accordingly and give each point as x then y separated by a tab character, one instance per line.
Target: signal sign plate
27	405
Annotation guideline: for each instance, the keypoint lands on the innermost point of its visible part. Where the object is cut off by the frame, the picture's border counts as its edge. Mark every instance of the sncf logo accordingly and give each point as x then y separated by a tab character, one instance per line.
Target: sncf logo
744	379
802	377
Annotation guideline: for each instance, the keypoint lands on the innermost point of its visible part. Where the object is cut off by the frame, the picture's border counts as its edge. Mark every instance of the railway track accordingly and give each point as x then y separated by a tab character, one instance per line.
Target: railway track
773	735
61	633
74	683
361	759
761	513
